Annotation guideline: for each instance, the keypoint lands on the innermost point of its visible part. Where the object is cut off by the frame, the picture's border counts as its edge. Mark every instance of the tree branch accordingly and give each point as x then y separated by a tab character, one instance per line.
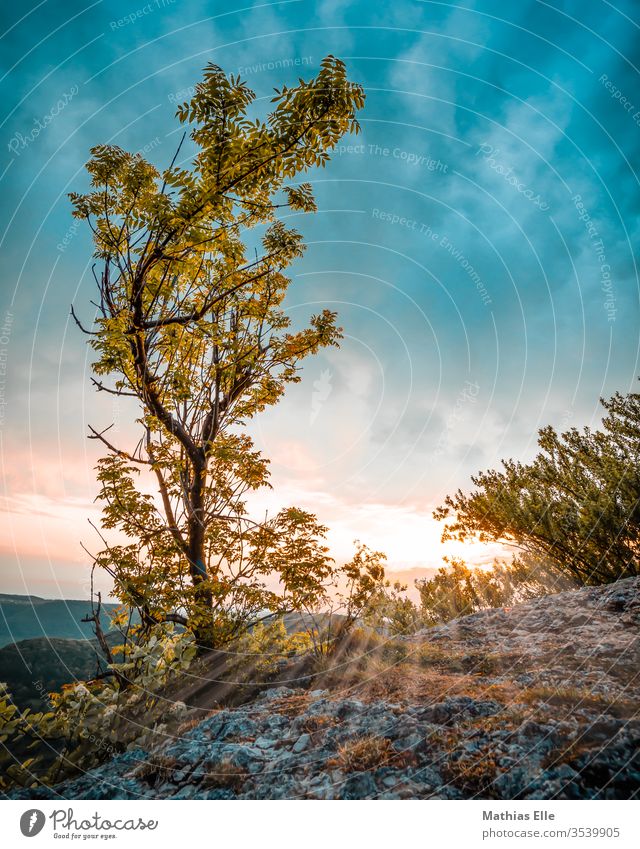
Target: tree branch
79	323
99	435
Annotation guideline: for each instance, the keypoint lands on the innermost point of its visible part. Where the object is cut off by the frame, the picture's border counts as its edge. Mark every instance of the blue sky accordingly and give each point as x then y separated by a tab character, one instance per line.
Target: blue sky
477	240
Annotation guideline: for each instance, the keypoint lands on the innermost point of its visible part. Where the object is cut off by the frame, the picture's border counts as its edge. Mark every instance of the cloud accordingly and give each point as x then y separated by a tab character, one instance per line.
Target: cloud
367	439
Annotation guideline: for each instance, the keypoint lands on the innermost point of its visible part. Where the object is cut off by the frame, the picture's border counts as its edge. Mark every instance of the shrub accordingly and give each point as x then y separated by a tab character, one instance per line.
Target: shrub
576	506
259	652
91	720
392	612
458	590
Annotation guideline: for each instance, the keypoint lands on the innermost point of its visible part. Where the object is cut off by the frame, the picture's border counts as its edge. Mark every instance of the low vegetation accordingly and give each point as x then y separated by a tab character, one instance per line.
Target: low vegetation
365	753
575	507
87	722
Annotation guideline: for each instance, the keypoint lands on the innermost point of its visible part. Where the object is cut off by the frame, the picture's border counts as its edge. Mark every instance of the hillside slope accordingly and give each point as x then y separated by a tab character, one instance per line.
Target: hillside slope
28	617
32	669
538	701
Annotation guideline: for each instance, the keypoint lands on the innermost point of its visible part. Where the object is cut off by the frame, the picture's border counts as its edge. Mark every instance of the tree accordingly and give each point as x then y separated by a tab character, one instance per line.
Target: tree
190	326
576	506
392	612
458	590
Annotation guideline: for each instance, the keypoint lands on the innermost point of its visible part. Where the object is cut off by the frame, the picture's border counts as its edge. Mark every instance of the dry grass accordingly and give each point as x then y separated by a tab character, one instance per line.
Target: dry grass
184	727
582	697
363	754
452	660
226	775
411	683
291	706
473	773
317	722
156	770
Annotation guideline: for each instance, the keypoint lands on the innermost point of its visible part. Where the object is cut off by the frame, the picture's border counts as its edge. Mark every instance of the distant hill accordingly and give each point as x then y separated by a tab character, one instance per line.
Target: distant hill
26	617
34	668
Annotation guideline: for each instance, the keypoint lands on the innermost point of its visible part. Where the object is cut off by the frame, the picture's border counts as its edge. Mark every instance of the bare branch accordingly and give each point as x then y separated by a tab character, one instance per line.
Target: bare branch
120	392
79	323
97	625
99	435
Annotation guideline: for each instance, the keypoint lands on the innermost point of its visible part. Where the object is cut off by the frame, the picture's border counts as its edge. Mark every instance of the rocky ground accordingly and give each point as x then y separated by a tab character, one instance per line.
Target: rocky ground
538	701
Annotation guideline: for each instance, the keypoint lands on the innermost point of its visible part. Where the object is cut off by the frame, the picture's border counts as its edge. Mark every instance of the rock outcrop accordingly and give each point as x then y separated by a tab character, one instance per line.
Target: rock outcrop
538	701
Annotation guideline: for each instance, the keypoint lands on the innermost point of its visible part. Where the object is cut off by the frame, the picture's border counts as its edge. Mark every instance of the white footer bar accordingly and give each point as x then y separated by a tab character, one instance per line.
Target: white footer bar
317	825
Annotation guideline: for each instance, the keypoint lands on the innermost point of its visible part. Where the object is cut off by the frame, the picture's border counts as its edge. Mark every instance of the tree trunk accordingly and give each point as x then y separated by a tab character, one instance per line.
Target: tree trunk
202	619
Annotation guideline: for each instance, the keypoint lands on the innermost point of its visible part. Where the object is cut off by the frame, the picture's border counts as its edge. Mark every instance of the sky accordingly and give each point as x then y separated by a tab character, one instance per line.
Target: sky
477	240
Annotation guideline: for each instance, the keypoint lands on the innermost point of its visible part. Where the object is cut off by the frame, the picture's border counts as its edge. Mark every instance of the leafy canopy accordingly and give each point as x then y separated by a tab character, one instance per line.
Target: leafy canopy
191	325
575	506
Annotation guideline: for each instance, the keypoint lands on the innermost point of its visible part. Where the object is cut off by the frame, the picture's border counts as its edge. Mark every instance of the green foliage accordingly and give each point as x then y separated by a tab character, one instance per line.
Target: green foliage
458	590
365	580
455	590
390	611
90	720
355	593
191	326
528	576
260	651
575	506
